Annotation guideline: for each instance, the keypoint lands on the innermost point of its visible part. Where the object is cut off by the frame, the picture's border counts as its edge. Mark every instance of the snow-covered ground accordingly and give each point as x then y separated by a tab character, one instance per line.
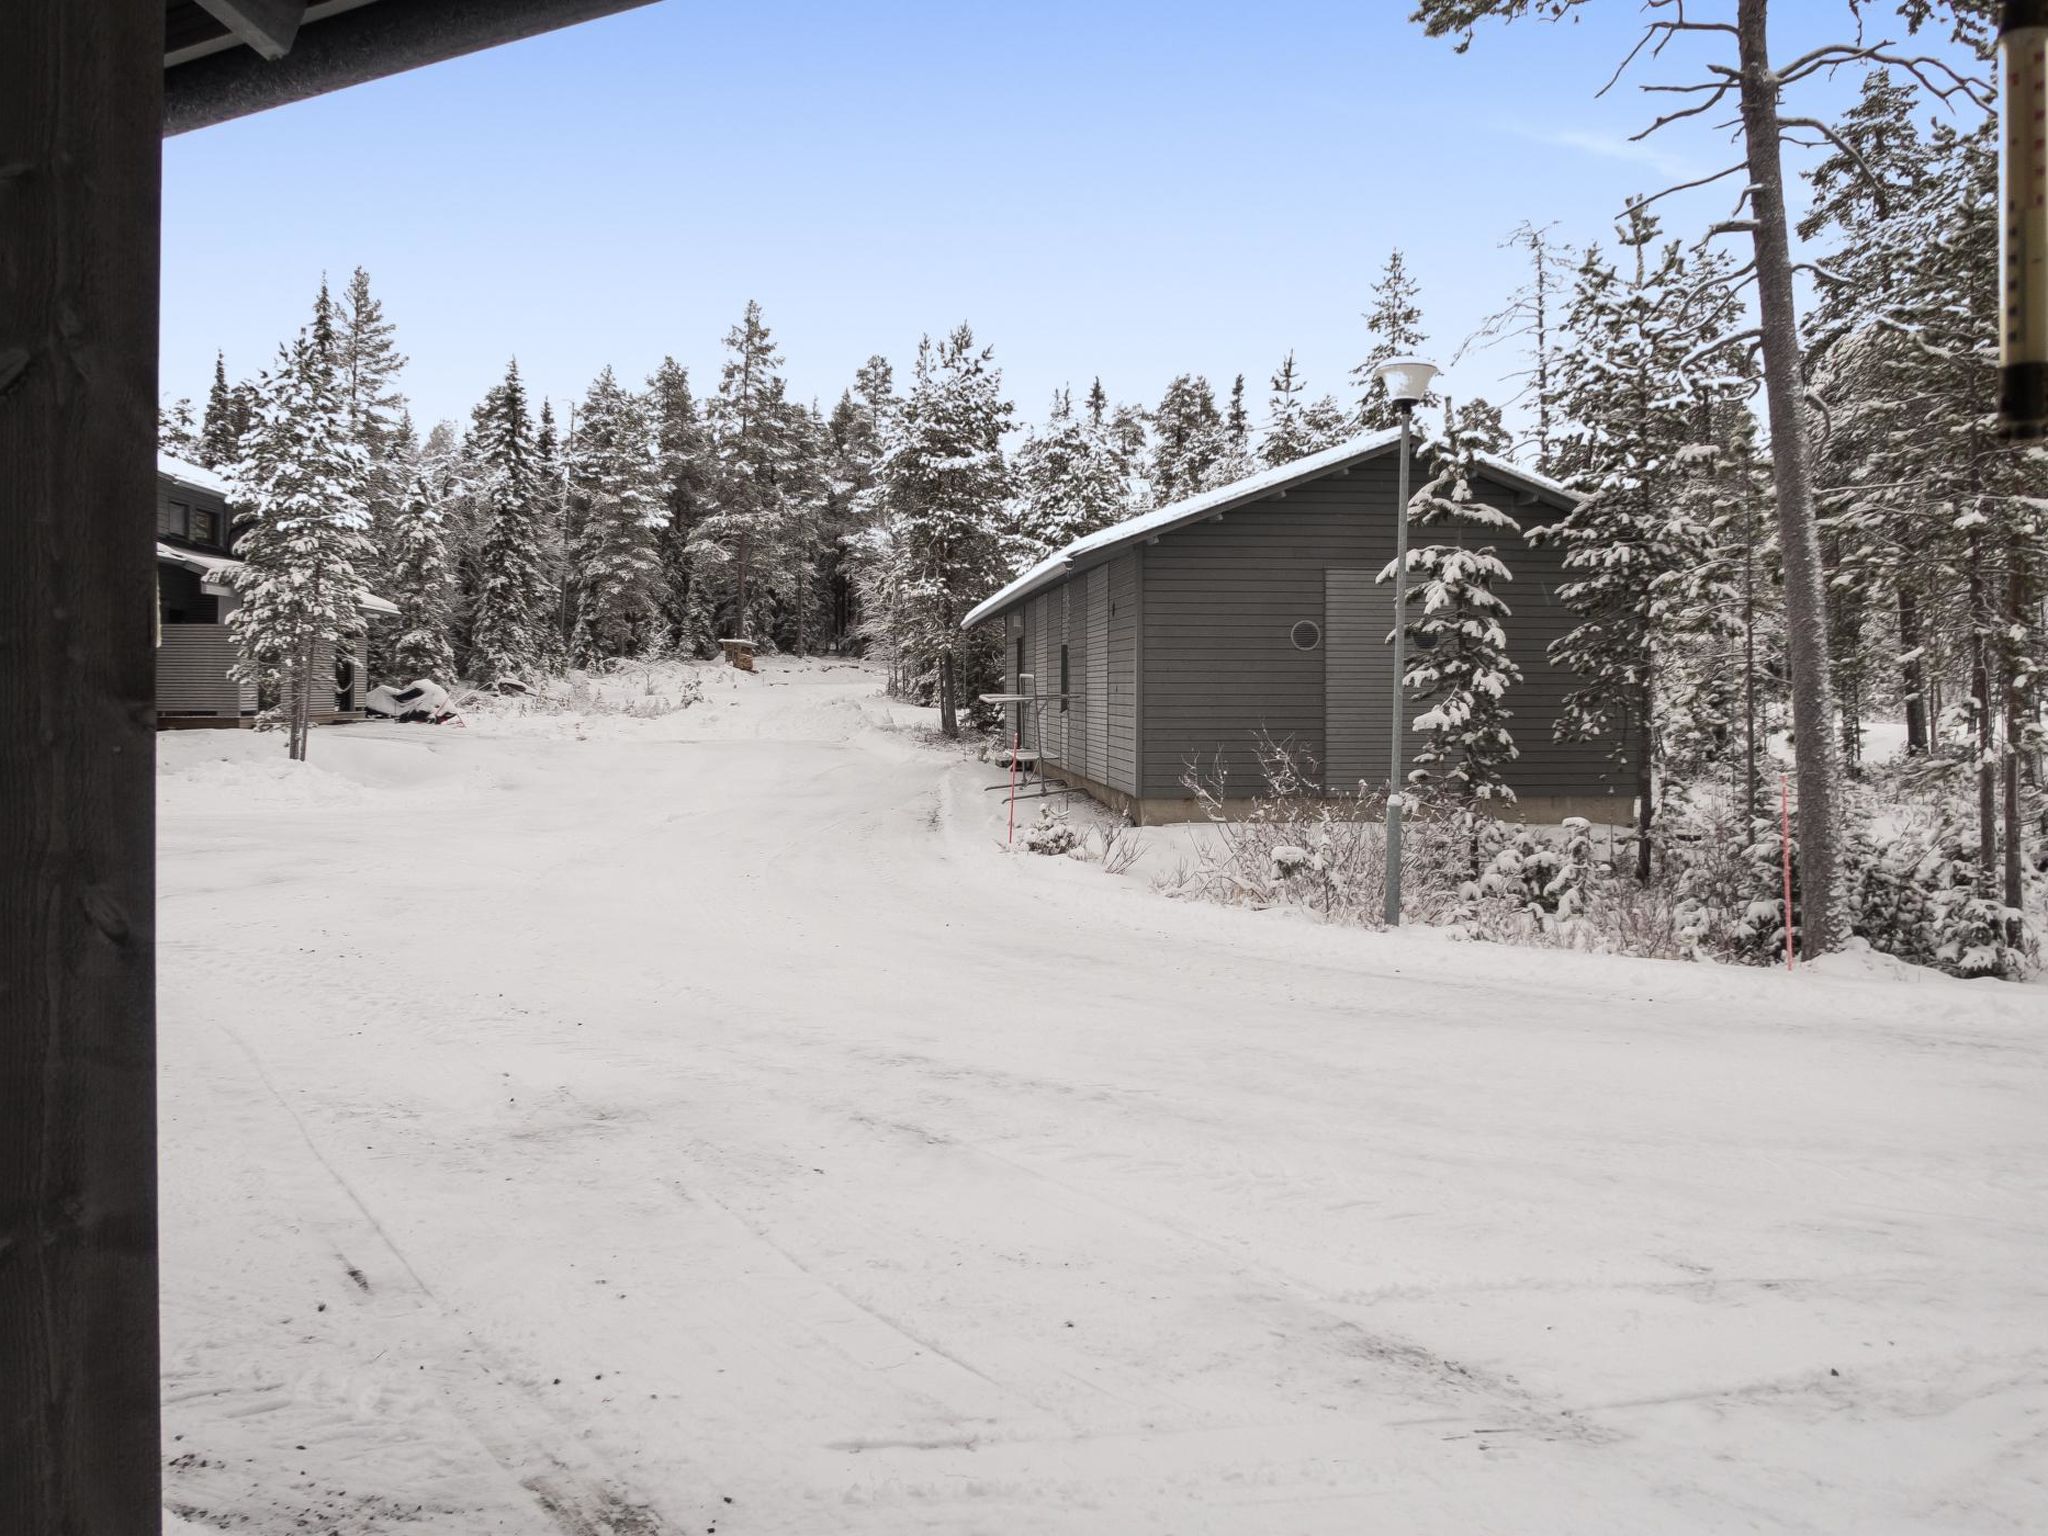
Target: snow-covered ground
701	1125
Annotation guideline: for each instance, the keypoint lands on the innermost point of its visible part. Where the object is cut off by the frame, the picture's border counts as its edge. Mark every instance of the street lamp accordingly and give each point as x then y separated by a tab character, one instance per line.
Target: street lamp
1407	380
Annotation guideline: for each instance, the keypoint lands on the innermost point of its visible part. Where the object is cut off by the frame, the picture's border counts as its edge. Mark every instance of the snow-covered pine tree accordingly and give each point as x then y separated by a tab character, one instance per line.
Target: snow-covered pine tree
805	481
1531	318
559	527
299	491
220	430
1395	322
369	366
944	484
614	509
1071	481
1187	438
853	448
741	542
421	579
1287	436
1637	360
682	473
514	619
1459	668
1238	459
1481	428
177	433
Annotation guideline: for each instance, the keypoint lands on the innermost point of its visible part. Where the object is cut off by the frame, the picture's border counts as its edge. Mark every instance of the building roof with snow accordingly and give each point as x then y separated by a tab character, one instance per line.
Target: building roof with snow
1150	525
1201	637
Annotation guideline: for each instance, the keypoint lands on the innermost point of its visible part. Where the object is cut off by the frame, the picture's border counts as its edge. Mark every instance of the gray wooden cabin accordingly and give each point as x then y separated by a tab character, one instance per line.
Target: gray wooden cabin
195	648
1190	631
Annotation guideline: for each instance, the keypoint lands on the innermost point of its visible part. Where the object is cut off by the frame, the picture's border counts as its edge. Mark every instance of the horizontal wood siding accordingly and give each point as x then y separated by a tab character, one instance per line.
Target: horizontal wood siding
192	671
1219	601
1358	719
1122	666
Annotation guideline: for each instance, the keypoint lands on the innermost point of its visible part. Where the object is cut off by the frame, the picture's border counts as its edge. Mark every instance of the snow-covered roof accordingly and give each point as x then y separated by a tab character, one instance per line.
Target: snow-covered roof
216	571
186	472
1148	525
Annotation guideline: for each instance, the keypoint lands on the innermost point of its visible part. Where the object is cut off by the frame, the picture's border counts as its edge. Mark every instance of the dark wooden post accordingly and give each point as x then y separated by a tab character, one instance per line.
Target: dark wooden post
81	106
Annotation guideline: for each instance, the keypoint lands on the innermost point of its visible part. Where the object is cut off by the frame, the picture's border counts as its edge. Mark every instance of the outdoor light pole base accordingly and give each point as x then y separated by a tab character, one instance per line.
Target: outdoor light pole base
1393	862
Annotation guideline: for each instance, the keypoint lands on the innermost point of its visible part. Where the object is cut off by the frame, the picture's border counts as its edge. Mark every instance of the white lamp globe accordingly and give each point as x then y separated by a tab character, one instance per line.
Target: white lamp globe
1407	379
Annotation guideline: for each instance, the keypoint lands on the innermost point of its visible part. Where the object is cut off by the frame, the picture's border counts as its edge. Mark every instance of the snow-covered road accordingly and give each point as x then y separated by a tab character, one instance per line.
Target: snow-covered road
702	1126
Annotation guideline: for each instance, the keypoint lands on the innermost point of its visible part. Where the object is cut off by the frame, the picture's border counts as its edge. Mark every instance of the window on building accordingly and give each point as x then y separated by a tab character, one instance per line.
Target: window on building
1017	678
205	526
172	517
1063	679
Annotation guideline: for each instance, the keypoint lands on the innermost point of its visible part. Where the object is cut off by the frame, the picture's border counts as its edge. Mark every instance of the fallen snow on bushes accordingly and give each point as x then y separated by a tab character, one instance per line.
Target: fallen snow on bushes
695	1123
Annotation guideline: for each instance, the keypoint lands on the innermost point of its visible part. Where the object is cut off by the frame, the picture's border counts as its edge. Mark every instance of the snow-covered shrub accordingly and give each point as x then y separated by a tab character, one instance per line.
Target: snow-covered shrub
1335	861
1116	847
1541	874
1916	892
1050	834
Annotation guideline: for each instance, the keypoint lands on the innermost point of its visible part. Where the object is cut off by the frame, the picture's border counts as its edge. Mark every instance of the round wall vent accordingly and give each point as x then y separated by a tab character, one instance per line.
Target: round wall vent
1307	635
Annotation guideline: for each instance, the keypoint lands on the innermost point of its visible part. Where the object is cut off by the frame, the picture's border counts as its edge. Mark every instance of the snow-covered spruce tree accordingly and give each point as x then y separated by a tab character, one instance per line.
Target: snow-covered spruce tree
613	500
177	432
1395	321
1459	669
1624	385
1238	460
513	624
299	491
944	484
1286	437
368	364
682	475
421	579
1070	479
1187	439
741	544
1758	86
1928	515
1874	434
220	430
806	485
854	433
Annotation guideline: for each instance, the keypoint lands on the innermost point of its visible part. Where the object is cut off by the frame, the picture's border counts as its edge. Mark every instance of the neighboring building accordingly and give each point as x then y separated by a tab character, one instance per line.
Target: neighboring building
194	556
1255	608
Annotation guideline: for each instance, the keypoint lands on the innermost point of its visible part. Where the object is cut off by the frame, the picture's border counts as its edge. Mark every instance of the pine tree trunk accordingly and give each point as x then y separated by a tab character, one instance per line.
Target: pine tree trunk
949	718
2015	717
1799	543
1646	808
1980	691
740	630
1913	674
1751	769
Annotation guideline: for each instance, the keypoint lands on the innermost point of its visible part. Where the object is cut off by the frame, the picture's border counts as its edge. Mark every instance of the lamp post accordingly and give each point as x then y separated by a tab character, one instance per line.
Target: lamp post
1407	380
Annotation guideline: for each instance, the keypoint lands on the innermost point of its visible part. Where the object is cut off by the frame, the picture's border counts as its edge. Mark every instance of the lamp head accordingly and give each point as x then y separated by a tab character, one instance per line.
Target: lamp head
1407	380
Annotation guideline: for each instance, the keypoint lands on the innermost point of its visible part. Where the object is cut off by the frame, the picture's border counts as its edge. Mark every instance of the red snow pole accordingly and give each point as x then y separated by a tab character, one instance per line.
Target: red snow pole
1785	850
1016	746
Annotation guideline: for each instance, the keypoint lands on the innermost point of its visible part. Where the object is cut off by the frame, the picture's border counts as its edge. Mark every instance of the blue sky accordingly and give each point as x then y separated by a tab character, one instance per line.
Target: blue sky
1130	190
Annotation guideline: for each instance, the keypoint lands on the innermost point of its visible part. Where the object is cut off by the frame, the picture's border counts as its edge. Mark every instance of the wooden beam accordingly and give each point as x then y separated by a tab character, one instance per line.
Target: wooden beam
268	26
80	112
352	46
